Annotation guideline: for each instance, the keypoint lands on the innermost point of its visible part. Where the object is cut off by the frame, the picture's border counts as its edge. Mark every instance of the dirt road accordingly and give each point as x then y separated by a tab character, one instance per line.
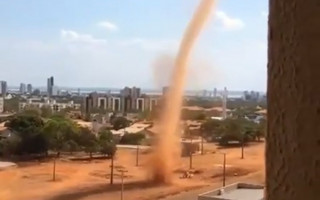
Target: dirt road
89	180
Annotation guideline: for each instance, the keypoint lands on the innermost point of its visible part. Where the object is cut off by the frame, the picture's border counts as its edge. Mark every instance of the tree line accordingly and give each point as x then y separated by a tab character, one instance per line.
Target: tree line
237	130
32	134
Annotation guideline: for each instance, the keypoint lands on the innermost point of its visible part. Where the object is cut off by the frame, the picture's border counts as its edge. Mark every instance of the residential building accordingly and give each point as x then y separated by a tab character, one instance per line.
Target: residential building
50	84
1	104
128	100
56	105
29	89
22	88
3	88
251	96
215	91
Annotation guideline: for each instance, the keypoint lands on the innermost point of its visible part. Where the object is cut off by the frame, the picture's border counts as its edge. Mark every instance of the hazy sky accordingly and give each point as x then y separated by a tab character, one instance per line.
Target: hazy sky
113	43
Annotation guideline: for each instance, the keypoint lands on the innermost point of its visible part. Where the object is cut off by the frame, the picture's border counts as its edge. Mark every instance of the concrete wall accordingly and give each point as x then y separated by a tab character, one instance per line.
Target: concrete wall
293	138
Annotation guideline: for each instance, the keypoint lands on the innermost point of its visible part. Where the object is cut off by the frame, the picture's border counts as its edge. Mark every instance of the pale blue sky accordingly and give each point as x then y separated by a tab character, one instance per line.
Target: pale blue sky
114	43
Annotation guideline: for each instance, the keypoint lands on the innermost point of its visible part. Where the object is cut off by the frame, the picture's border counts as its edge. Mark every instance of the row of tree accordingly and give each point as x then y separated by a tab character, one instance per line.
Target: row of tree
32	134
233	130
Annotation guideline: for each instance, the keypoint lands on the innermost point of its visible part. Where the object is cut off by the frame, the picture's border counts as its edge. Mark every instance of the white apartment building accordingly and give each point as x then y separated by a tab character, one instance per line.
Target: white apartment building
55	105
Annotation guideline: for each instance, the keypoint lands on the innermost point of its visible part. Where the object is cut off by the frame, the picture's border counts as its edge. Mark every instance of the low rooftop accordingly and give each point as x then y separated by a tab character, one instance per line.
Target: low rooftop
237	191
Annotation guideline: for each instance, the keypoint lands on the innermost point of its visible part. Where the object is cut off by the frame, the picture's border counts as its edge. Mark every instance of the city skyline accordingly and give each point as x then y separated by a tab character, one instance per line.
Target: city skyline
104	89
101	45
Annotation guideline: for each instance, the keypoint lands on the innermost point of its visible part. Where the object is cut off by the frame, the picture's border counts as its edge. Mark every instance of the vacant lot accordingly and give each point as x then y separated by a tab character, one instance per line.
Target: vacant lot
90	180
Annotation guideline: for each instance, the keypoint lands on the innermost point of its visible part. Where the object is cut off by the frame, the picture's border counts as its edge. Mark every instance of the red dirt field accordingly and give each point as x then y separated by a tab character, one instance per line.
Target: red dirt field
77	180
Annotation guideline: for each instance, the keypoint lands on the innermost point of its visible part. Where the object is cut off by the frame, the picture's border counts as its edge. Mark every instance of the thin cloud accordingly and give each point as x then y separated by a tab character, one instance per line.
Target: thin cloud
264	14
229	23
108	25
73	36
152	44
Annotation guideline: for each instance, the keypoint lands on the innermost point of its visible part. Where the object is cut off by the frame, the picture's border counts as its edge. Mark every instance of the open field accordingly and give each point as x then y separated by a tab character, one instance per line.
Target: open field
90	180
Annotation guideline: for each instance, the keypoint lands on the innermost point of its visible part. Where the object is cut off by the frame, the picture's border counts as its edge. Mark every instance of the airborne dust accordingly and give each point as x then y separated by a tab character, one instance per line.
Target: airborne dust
167	147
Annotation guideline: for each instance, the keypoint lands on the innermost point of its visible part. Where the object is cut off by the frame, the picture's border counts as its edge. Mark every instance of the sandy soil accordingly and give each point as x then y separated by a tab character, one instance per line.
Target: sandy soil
90	180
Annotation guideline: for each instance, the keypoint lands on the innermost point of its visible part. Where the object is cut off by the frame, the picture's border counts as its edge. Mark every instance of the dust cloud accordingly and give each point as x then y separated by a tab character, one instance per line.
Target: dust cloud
199	72
167	146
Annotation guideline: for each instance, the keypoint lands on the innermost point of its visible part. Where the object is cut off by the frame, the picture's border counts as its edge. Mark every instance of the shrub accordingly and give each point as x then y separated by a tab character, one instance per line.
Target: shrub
132	138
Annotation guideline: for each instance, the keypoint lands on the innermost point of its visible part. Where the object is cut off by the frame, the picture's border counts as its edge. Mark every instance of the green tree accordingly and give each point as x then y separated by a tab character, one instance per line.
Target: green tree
120	122
230	130
203	103
71	146
31	111
10	146
46	111
210	128
28	127
106	143
88	141
132	138
92	147
240	130
261	129
11	105
60	130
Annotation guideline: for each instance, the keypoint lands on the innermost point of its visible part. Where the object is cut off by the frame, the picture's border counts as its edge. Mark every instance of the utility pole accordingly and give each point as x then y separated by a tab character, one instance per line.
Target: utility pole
111	174
122	187
137	156
122	170
224	169
242	147
190	149
201	142
54	169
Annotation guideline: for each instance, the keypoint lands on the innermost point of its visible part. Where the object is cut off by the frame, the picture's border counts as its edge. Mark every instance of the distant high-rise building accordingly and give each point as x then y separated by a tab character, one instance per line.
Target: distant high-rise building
29	88
254	95
251	96
91	101
215	93
54	91
246	95
22	88
1	104
3	88
204	93
135	92
50	84
126	91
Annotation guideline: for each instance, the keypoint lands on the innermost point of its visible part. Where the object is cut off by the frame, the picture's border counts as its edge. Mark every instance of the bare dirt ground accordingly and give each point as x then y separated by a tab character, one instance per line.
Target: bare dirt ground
90	180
